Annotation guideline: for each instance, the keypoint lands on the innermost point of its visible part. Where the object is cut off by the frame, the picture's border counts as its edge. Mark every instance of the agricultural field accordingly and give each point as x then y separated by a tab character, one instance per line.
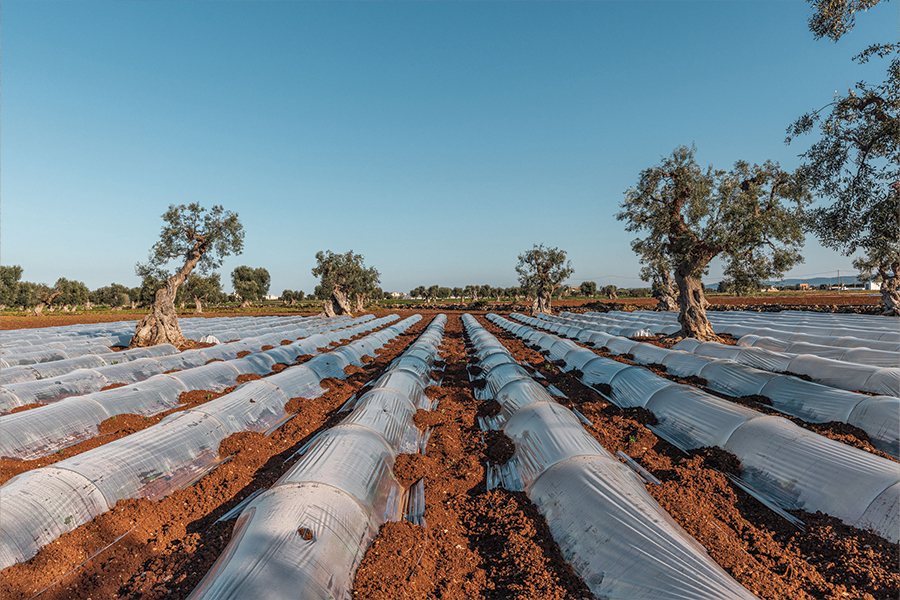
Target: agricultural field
434	452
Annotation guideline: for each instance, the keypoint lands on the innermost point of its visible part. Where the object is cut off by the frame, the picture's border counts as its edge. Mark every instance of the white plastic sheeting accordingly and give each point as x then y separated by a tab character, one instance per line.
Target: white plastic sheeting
791	466
150	463
304	537
832	372
41	431
749	374
616	537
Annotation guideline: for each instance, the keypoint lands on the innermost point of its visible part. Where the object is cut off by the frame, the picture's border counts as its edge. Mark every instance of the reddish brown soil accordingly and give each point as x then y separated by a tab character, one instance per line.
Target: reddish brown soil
25	407
409	468
761	550
498	447
245	377
243	353
112	386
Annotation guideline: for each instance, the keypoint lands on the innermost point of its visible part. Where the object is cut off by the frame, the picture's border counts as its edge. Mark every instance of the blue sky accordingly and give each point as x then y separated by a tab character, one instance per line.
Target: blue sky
438	139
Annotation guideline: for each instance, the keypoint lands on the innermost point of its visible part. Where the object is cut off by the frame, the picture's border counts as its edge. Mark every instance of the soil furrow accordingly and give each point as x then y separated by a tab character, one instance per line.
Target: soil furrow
477	544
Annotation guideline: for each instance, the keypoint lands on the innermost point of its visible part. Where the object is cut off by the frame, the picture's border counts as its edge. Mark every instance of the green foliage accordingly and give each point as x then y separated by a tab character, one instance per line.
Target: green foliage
9	283
207	288
543	269
346	271
854	166
71	292
457	292
191	229
588	289
112	295
29	294
249	283
834	18
751	214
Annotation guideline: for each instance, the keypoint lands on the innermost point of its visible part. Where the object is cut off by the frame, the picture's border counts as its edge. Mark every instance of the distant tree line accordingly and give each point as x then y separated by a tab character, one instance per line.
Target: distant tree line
250	285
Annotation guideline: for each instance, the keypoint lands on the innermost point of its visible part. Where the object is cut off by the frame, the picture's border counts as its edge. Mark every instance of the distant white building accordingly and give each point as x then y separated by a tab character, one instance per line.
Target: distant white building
272	297
873	285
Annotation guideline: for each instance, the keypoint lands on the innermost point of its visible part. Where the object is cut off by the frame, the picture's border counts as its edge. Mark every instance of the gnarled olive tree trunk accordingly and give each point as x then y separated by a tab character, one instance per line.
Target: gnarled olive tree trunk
541	304
692	306
198	308
38	311
161	325
665	293
337	304
360	303
890	290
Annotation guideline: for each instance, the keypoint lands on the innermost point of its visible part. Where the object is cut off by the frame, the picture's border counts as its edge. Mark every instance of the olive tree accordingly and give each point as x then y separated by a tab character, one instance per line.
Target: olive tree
202	239
588	289
656	269
9	284
113	295
855	164
250	284
202	288
342	277
541	271
751	215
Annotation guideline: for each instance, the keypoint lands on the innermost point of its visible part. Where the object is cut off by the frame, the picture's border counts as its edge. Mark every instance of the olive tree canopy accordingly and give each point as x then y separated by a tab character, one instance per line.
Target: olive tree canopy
250	284
750	216
200	238
342	277
541	271
855	164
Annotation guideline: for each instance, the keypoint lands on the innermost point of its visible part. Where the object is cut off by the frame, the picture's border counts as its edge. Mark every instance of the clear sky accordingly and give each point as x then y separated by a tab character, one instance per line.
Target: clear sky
439	139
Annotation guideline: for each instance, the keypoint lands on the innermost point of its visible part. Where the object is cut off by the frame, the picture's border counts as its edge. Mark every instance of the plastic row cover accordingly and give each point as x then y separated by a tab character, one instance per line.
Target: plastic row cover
252	340
618	539
661	322
54	367
865	356
828	324
793	467
150	463
68	383
41	356
42	431
305	537
740	376
834	373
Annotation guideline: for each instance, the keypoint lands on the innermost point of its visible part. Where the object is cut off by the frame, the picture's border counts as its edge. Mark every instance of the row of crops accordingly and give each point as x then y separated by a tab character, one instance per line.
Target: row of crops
306	535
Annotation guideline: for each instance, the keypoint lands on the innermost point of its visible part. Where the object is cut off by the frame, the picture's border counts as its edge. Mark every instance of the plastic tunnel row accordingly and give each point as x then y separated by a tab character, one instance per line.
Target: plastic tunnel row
781	462
305	536
78	376
612	532
25	346
851	376
19	341
42	504
881	335
31	365
746	372
44	430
